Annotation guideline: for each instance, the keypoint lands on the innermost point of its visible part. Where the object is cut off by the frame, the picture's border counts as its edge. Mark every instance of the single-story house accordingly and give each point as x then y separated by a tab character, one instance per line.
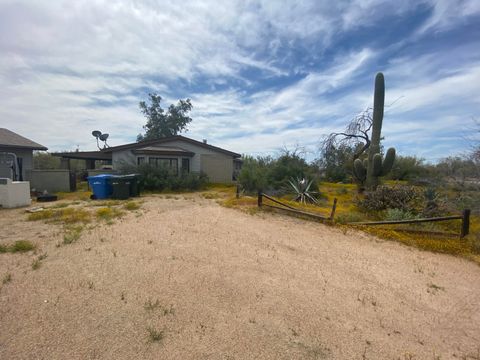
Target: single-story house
22	148
177	153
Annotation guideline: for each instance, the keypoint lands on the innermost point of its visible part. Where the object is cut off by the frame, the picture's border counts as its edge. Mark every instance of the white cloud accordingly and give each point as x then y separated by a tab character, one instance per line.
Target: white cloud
69	67
447	14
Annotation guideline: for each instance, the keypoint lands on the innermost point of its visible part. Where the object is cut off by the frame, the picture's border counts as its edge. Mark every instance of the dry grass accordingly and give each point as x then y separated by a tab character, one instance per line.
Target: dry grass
62	215
105	203
108	213
6	278
82	195
131	205
38	261
242	286
347	211
17	246
154	335
72	234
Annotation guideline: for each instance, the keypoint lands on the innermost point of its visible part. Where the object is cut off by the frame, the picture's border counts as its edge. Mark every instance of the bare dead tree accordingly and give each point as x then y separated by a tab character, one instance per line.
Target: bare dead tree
355	135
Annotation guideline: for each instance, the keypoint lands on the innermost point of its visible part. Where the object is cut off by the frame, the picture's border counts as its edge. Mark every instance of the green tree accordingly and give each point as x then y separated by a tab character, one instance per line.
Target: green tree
408	168
161	123
254	173
45	161
289	165
336	163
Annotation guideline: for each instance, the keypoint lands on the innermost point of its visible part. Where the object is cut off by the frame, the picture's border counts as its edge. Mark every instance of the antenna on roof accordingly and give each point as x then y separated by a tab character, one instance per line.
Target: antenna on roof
103	137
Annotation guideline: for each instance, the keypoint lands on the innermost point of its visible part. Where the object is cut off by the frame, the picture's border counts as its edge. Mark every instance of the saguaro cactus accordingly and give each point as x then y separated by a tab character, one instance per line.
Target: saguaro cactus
370	170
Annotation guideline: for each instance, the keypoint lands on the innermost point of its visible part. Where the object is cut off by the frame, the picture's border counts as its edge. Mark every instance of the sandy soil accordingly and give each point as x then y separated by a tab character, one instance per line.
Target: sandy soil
223	284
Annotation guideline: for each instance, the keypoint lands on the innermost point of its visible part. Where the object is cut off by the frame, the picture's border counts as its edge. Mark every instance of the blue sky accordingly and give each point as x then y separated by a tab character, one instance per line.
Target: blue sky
262	75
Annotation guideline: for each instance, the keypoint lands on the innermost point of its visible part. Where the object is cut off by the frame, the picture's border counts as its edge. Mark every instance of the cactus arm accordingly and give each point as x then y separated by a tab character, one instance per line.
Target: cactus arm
360	170
377	165
388	161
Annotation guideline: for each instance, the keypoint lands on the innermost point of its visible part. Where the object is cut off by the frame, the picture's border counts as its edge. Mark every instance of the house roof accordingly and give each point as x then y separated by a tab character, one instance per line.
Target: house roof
146	143
163	150
13	140
84	155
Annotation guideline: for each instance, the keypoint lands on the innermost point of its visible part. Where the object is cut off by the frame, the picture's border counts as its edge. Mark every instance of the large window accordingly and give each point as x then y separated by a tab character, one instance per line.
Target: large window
140	160
170	164
185	165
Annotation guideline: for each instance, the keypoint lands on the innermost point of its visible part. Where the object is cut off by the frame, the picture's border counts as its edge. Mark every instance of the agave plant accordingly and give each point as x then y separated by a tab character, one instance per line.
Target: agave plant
301	188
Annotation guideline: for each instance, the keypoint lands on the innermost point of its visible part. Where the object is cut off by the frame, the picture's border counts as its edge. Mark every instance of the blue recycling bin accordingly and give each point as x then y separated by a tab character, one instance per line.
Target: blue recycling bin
101	186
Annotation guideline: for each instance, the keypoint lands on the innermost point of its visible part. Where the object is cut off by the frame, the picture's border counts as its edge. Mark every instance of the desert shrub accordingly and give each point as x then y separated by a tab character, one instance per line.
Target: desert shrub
336	163
289	165
398	214
72	234
254	173
408	168
433	206
267	173
191	181
65	215
405	198
17	246
349	217
132	205
108	213
475	244
155	178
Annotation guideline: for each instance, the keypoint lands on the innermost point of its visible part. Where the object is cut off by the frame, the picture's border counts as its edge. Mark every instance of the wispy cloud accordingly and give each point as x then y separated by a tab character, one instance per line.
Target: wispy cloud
261	74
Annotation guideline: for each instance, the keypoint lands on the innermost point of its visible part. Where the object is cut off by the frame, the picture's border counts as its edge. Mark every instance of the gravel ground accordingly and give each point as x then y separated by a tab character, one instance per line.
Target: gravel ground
188	279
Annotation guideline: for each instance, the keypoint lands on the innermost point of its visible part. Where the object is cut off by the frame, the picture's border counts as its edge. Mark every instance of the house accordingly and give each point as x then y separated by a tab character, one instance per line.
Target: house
179	154
16	155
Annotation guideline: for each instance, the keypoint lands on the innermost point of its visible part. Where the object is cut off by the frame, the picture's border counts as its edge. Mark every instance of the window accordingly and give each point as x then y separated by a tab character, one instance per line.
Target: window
169	164
185	165
140	160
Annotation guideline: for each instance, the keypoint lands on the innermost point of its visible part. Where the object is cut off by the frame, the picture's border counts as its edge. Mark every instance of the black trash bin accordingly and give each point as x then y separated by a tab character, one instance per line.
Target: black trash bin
120	187
134	184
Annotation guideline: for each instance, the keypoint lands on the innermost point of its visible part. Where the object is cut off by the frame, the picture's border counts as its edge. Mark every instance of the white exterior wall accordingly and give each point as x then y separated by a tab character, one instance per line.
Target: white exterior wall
128	157
195	163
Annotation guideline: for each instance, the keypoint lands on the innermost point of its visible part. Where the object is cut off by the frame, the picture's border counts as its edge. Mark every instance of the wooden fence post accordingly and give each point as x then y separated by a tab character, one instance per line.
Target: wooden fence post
238	191
260	200
465	223
334	207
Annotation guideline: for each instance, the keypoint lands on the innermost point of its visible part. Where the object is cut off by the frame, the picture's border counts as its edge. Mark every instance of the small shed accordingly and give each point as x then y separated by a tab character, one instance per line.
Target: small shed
16	155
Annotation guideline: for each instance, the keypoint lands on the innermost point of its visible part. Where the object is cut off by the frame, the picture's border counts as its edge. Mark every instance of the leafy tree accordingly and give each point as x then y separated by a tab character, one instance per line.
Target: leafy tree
290	164
45	161
408	168
161	123
457	168
336	163
267	173
253	176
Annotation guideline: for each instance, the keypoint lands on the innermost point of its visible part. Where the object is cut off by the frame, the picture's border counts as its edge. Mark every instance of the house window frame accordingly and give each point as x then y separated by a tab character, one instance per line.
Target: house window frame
172	163
187	161
141	160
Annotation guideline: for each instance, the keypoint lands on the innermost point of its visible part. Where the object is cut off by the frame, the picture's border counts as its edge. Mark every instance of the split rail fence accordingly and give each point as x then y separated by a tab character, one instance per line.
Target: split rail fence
293	210
464	217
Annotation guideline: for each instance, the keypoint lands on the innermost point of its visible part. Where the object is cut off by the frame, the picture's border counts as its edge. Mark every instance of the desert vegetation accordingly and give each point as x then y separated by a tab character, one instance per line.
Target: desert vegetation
372	185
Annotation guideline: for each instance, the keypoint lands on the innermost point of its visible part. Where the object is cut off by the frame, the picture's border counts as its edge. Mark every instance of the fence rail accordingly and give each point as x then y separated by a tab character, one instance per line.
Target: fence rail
464	230
291	209
465	216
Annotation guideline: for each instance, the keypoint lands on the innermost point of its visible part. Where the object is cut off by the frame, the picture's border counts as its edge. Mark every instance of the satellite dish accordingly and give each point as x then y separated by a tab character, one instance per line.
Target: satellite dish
97	133
103	137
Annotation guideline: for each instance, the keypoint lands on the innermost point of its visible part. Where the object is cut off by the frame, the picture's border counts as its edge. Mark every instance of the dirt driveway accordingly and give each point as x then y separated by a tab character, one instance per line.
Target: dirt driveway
189	279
